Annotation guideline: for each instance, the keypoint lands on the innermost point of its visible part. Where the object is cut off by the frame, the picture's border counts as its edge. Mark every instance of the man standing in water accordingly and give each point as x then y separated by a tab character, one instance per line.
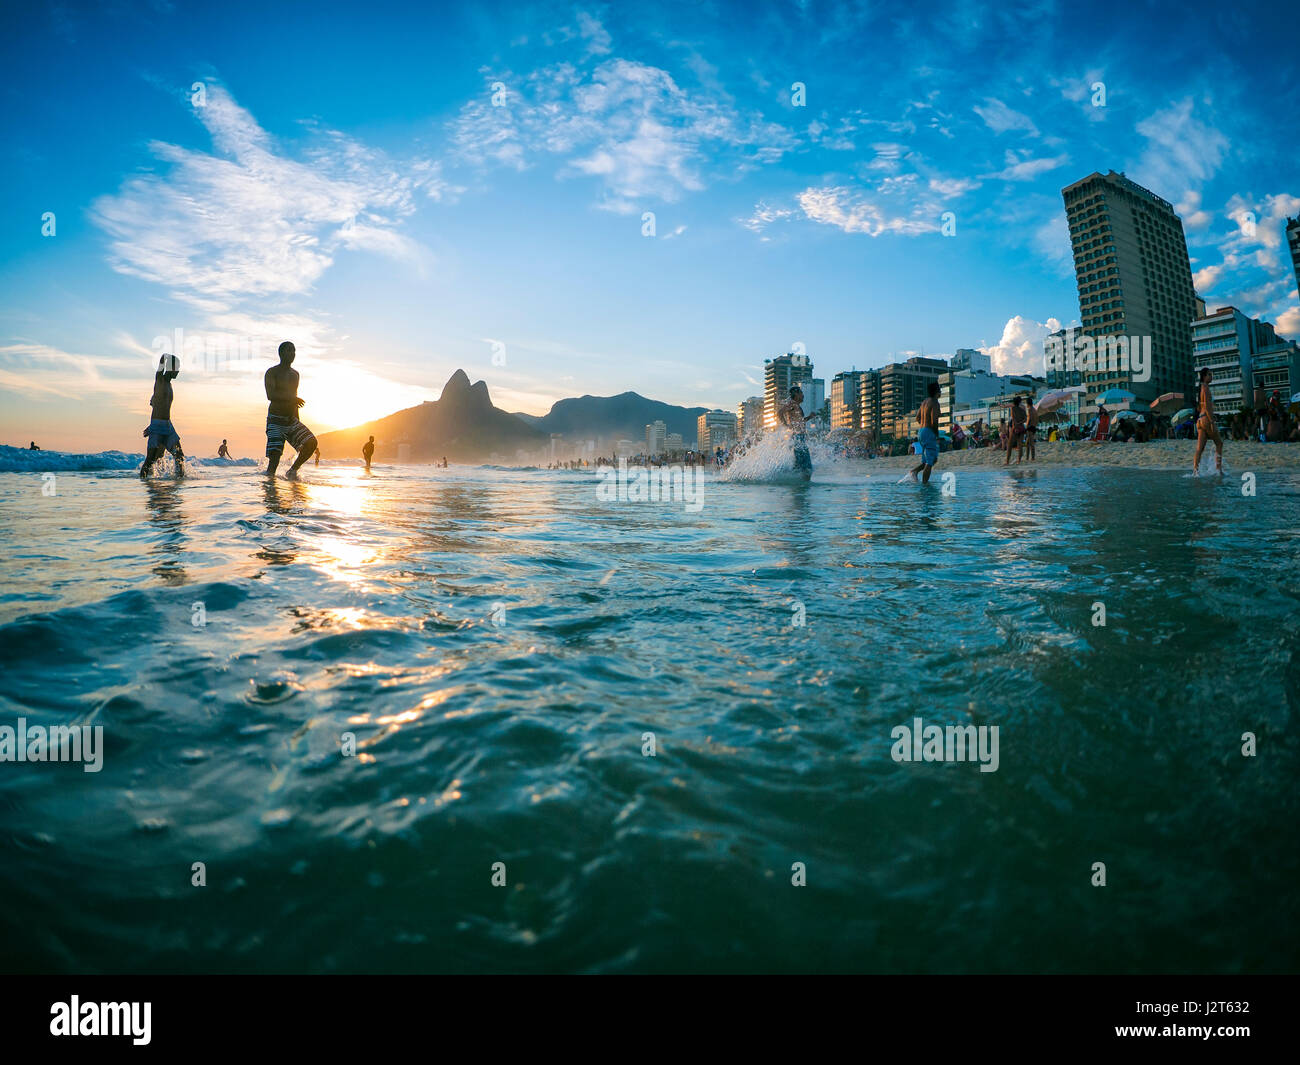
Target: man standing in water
282	415
223	452
928	416
368	451
790	414
162	435
1206	429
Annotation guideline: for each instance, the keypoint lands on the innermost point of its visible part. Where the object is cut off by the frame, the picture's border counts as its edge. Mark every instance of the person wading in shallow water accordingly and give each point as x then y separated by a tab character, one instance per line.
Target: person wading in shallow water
282	415
928	416
368	452
1206	429
790	414
161	433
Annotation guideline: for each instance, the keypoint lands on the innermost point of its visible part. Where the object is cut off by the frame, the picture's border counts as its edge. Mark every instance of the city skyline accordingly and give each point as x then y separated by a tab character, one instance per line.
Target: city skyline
402	231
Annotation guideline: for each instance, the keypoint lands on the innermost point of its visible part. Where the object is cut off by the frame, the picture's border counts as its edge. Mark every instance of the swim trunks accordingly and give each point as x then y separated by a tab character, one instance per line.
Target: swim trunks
162	434
802	460
929	442
279	429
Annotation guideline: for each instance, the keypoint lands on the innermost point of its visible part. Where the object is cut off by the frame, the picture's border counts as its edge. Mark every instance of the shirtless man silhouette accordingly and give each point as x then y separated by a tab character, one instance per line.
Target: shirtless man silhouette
282	415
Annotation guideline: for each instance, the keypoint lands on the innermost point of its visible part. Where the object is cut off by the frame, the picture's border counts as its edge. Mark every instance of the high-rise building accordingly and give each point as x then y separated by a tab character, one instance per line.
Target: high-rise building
1061	371
814	398
1293	241
903	388
716	428
869	403
1134	281
654	438
1275	369
779	376
846	399
749	417
673	444
1226	343
971	359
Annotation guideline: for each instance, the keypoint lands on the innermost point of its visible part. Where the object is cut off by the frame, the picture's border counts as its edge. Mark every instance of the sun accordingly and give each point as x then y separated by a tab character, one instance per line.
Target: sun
339	396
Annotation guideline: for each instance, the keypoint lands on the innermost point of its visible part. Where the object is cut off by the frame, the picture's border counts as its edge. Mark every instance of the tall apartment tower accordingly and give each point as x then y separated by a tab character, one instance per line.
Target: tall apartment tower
846	399
1134	279
749	417
779	376
1293	241
904	387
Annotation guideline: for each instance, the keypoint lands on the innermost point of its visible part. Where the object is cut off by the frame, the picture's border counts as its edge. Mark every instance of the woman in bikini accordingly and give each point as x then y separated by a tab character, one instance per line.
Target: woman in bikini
1206	429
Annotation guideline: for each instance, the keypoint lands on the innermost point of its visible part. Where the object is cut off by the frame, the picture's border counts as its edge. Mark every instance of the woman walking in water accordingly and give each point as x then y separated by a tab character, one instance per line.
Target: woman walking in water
1206	429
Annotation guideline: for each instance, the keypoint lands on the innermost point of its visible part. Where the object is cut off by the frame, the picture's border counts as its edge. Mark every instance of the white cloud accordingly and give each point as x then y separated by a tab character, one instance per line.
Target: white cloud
1189	210
1020	351
627	124
1020	166
1182	151
246	220
854	212
1002	119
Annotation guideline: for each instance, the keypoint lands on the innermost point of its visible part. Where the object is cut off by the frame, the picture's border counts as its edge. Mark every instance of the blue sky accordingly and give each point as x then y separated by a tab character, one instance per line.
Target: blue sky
408	190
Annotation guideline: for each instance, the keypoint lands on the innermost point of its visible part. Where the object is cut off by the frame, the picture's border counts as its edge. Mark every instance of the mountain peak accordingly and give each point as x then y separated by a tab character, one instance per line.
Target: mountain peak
457	382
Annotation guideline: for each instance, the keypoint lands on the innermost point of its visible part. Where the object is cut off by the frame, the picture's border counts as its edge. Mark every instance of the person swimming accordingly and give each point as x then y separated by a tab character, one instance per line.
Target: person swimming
282	422
790	414
161	433
1205	427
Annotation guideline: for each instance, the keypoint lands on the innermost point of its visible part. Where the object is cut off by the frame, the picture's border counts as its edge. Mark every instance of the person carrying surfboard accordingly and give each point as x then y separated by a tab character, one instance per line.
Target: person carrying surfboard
790	414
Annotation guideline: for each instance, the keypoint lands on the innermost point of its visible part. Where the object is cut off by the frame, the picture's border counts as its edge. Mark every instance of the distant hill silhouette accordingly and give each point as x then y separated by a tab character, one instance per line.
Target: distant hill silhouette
610	418
461	424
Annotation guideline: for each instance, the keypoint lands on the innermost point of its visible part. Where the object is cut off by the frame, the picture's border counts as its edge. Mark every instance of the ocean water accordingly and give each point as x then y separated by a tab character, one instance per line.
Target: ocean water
500	643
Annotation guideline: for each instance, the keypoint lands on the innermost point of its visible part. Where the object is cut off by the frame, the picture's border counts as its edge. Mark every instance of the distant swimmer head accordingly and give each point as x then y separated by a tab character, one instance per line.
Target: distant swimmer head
169	364
287	352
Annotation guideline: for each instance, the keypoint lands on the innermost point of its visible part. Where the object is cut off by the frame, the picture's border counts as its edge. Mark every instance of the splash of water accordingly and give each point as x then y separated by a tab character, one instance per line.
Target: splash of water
771	458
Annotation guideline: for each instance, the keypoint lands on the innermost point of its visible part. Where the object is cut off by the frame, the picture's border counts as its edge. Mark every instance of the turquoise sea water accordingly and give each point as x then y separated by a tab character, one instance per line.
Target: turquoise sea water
500	642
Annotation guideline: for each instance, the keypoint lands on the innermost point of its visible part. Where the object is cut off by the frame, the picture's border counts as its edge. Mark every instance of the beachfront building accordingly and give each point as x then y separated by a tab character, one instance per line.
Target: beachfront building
1275	369
625	449
779	376
749	417
869	402
674	445
814	398
1293	242
971	359
846	399
655	433
903	388
716	428
1226	343
1134	281
961	390
1061	372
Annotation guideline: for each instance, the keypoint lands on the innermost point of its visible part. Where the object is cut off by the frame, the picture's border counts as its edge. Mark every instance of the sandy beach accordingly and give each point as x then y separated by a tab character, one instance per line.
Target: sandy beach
1239	456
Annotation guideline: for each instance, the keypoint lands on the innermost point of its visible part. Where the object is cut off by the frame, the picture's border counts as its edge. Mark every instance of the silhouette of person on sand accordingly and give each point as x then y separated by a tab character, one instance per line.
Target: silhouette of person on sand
160	431
282	415
368	451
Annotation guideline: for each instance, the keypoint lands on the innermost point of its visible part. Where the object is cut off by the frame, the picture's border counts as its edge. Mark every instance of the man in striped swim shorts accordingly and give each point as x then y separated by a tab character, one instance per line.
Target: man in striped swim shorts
282	415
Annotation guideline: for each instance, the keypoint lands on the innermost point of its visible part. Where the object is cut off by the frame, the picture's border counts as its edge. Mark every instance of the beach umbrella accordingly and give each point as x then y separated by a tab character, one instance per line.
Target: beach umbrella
1120	415
1186	412
1170	401
1053	400
1115	395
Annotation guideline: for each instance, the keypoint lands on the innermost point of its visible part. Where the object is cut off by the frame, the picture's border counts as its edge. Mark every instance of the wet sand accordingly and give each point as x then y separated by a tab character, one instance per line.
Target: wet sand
1155	455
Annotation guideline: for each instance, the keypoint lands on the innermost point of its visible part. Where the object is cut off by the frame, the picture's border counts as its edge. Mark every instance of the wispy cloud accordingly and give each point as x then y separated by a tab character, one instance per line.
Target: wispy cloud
246	220
629	125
